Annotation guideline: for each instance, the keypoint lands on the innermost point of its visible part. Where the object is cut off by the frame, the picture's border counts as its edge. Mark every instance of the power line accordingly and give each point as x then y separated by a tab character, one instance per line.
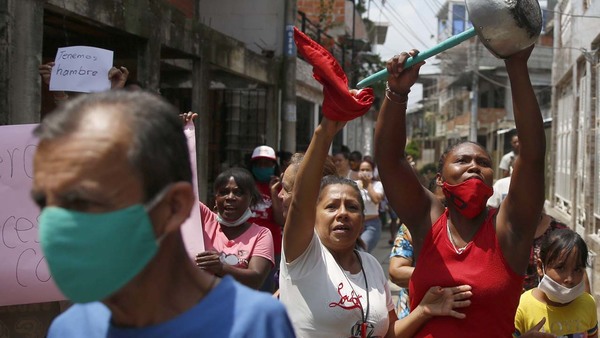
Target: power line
450	3
419	16
574	15
398	19
438	3
491	80
431	7
406	26
393	26
568	47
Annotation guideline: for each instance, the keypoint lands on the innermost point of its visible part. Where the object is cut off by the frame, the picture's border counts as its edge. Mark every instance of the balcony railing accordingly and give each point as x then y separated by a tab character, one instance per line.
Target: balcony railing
314	31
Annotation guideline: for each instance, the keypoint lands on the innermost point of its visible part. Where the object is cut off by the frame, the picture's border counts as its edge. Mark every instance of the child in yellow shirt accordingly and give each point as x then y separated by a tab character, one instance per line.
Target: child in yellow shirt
560	297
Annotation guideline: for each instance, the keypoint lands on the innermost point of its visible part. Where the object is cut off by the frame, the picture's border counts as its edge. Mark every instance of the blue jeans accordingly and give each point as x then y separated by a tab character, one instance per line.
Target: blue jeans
371	233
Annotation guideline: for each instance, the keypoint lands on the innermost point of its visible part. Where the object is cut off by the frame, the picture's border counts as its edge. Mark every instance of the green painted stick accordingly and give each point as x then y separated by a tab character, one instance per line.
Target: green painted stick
442	46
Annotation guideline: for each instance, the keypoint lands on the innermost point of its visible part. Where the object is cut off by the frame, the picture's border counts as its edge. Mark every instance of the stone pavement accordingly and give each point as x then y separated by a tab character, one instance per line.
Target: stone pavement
382	253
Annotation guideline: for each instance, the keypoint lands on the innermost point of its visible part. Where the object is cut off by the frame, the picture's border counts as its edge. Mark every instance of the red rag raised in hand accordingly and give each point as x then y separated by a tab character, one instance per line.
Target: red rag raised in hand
339	103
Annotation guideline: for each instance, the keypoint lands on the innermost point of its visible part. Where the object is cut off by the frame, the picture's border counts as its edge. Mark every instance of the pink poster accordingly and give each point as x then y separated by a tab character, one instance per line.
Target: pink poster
24	274
193	236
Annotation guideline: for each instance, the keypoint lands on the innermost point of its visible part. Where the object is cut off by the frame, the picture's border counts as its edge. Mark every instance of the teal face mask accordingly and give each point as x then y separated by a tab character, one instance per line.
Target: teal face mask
263	174
91	255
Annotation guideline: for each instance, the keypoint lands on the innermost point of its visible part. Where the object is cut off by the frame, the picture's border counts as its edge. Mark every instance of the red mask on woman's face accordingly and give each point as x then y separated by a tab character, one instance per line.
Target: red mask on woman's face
469	197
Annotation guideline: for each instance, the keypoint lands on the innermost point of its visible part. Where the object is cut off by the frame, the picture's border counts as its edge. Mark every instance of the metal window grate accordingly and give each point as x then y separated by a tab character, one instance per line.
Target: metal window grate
244	114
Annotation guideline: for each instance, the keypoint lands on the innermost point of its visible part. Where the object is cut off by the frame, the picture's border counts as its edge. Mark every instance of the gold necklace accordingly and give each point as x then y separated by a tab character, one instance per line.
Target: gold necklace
458	250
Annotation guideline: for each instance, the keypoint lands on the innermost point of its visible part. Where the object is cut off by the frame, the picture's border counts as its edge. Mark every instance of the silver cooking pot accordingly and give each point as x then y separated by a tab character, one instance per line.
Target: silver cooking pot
506	26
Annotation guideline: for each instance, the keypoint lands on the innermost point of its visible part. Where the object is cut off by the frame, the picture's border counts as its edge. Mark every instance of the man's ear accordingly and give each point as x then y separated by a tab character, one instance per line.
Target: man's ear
180	200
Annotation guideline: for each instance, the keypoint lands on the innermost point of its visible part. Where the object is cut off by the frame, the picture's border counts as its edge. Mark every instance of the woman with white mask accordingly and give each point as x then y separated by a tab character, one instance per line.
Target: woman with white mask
372	194
235	246
559	303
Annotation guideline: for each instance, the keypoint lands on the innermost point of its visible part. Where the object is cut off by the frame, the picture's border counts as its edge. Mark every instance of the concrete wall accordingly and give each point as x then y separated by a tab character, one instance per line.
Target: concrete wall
307	87
259	24
21	24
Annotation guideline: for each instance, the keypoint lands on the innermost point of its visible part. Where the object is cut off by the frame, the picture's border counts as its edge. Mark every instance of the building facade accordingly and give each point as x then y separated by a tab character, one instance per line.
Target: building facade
574	185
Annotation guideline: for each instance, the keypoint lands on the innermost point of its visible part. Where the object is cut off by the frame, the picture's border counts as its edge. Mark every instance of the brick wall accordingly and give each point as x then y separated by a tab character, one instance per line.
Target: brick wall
185	6
484	116
459	120
312	8
490	115
339	11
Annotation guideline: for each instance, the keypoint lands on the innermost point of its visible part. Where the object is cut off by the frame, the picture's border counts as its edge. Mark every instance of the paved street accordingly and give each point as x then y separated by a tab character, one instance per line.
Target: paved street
382	253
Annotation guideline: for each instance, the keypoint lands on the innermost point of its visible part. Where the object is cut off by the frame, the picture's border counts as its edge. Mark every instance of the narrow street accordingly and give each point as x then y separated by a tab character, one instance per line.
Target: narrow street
382	253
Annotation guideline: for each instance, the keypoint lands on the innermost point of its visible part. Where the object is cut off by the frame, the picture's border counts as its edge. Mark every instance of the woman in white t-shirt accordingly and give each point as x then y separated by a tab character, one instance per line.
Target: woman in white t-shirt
371	191
329	288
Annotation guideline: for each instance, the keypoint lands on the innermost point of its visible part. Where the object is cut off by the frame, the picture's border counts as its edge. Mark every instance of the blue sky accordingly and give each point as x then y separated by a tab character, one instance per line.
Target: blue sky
413	24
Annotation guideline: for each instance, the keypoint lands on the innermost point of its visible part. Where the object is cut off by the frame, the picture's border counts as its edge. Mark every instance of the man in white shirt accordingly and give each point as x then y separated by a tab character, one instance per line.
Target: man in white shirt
500	191
508	159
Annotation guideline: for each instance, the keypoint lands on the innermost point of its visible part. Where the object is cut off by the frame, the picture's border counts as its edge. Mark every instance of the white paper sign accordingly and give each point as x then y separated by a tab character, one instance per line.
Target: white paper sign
81	69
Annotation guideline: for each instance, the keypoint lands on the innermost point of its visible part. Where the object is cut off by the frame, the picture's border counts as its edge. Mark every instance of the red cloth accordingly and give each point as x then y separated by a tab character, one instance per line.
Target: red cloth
496	288
339	104
264	215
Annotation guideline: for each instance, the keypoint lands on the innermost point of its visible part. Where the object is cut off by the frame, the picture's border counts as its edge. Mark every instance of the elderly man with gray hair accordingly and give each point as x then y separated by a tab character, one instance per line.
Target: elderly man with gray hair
113	179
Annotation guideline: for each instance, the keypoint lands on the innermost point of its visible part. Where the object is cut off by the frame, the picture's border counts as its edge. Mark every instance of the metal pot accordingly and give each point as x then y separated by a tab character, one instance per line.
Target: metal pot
505	26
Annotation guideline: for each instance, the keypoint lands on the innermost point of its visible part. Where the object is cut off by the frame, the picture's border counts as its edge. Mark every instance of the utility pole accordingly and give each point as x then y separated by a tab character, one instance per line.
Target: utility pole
474	93
288	122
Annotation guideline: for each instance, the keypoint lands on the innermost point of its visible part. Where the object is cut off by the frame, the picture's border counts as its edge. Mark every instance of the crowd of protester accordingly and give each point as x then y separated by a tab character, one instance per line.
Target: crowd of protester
288	240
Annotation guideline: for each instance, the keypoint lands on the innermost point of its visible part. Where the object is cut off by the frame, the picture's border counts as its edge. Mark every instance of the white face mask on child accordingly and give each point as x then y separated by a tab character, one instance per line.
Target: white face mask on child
558	293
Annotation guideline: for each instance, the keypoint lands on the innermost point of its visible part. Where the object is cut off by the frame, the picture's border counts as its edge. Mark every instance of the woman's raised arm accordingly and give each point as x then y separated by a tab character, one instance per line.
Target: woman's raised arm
520	211
411	201
300	221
